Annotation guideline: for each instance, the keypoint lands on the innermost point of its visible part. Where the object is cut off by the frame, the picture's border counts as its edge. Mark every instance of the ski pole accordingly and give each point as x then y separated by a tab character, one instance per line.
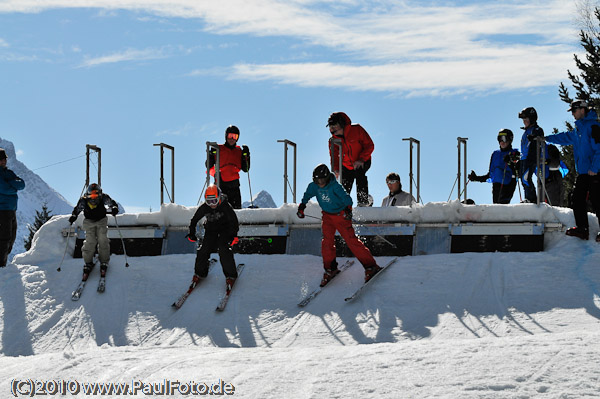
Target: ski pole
65	253
501	185
314	217
122	242
377	235
250	188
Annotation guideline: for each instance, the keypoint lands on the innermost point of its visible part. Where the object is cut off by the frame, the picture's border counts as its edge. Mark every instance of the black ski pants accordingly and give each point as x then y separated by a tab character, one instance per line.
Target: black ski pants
585	184
220	242
362	183
232	190
503	193
8	234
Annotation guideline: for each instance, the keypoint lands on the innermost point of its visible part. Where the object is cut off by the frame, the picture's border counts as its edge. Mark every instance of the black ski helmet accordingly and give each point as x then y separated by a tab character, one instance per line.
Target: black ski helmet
93	193
321	172
530	113
506	133
232	129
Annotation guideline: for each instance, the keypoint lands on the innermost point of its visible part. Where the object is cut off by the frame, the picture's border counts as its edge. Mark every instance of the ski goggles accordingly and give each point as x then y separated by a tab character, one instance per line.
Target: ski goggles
502	138
234	136
392	181
212	201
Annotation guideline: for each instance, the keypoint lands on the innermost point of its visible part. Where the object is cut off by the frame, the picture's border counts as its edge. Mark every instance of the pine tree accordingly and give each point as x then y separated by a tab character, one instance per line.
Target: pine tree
586	83
40	218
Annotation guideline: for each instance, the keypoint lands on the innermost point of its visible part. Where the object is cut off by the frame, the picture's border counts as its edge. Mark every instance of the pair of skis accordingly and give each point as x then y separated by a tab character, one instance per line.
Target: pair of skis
79	290
222	303
356	294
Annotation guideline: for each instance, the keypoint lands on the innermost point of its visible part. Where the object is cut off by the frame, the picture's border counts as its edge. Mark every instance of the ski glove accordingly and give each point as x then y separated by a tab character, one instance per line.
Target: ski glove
300	212
114	211
191	237
348	213
72	219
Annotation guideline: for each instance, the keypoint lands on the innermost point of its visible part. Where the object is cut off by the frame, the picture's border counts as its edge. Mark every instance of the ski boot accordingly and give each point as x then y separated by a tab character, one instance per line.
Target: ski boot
195	280
229	282
371	271
103	268
330	273
87	268
579	232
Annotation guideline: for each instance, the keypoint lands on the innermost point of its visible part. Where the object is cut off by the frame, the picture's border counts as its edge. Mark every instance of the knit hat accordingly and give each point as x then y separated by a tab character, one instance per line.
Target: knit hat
2	154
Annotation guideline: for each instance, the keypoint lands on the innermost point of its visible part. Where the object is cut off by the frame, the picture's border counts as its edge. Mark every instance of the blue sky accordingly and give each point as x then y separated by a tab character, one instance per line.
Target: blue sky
127	74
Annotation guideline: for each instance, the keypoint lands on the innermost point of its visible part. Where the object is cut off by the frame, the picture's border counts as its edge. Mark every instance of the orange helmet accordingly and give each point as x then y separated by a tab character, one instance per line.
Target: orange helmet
212	196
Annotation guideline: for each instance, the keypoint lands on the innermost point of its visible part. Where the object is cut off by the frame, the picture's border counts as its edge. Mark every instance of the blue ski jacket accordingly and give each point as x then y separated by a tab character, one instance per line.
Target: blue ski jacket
332	198
9	185
535	131
500	171
585	140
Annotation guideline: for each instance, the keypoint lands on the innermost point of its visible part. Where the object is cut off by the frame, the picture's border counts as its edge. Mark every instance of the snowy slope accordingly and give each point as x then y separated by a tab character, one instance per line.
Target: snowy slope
492	325
36	193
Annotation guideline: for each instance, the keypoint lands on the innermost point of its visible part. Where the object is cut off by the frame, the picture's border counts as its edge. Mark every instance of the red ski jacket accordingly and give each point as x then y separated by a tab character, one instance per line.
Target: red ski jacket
356	145
231	162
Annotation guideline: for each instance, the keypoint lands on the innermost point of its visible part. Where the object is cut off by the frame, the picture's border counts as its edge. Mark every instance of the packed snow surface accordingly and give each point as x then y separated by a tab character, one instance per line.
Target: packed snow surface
473	325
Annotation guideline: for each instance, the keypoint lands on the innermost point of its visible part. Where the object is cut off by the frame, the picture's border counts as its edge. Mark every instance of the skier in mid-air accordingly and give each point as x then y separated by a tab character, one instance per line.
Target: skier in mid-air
336	206
95	204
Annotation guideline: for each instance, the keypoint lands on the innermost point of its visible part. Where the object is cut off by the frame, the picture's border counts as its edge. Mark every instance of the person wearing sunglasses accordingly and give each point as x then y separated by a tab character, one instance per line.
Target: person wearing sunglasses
397	197
357	148
232	159
220	232
10	184
585	139
95	205
503	169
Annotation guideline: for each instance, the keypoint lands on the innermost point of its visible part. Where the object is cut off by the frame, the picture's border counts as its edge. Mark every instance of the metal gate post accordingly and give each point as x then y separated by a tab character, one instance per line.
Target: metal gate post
285	170
463	141
98	151
411	175
162	168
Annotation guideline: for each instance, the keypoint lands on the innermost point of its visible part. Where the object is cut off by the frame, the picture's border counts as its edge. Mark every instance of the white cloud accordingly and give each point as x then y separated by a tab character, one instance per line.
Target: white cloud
3	43
399	46
123	56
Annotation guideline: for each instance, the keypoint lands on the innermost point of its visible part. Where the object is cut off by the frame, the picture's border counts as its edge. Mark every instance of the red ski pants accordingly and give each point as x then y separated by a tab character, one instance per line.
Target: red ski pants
332	222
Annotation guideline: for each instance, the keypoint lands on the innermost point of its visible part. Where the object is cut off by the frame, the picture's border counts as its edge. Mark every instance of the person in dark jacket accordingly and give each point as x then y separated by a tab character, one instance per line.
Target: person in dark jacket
357	148
585	139
10	183
502	172
95	206
336	206
232	159
220	231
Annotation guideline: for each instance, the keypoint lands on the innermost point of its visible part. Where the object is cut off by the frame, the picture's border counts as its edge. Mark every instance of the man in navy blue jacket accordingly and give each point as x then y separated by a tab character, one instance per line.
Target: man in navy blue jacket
585	140
9	185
